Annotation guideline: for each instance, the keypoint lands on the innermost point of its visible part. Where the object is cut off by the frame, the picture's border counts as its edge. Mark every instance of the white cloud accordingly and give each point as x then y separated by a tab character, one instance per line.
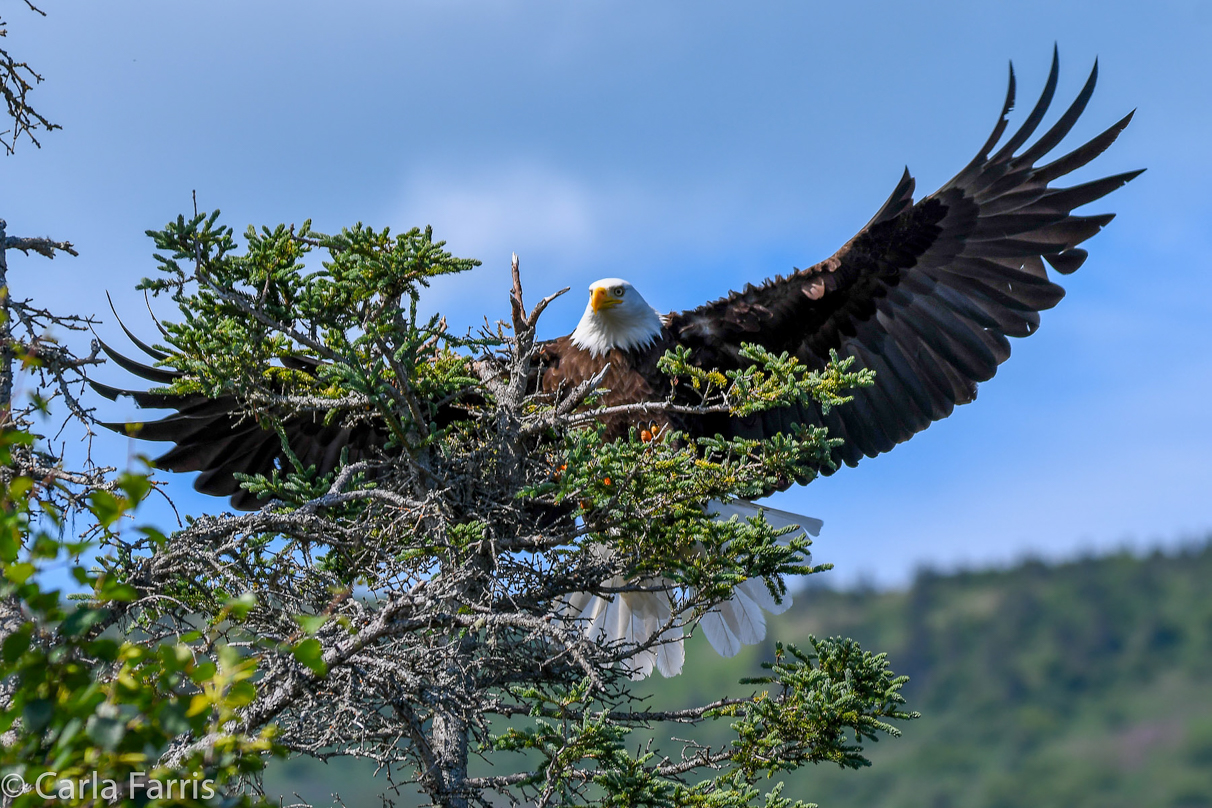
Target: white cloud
569	229
485	212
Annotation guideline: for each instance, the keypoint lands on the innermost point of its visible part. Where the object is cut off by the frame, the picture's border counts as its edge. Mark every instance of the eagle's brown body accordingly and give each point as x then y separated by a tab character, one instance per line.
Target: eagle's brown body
632	377
926	295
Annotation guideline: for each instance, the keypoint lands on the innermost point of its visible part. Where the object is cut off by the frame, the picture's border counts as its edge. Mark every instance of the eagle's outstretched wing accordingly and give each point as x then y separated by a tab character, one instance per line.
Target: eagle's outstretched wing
220	437
927	293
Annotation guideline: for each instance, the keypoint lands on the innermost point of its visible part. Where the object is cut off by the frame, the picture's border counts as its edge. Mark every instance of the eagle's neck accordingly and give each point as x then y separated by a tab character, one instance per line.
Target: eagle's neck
625	328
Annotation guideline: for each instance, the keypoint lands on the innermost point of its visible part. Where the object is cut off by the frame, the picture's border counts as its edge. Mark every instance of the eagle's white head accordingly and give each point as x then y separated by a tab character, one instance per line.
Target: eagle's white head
617	317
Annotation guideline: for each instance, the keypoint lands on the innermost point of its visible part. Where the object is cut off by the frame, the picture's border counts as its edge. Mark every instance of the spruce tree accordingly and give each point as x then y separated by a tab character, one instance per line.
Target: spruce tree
411	606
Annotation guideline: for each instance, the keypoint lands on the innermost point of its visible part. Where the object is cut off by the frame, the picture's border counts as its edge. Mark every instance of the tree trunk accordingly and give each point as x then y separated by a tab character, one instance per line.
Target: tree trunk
450	758
6	351
456	696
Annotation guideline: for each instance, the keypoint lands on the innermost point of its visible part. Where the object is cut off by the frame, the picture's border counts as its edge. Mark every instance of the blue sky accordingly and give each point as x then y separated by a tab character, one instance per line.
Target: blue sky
690	148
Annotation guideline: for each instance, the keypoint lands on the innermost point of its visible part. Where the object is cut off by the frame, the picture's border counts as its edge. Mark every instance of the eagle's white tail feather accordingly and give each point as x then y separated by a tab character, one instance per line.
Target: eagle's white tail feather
774	517
670	654
576	605
756	589
634	618
735	622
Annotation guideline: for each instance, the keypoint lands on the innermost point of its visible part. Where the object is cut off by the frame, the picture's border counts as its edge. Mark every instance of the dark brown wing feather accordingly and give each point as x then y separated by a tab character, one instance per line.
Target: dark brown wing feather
218	436
927	293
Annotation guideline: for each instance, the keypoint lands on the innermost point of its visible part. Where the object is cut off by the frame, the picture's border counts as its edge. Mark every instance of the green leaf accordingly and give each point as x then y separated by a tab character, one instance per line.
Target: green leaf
81	620
311	623
112	589
19	487
17	643
173	719
12	437
10	544
104	648
229	658
176	657
157	538
106	732
203	673
106	507
19	573
37	714
310	654
241	694
241	606
135	486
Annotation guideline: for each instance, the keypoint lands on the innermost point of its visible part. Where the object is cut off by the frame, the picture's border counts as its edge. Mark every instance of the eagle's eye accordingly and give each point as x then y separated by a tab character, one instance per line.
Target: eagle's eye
618	291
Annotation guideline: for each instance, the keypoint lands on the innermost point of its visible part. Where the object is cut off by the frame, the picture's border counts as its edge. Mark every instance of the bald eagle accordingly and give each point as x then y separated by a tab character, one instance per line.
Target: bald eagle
925	294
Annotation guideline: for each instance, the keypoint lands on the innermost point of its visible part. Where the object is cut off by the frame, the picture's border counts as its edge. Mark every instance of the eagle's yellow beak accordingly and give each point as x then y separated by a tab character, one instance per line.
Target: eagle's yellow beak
602	299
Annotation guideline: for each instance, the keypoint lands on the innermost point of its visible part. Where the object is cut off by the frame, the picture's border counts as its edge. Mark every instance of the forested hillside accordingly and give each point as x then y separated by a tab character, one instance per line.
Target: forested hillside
1087	683
1082	684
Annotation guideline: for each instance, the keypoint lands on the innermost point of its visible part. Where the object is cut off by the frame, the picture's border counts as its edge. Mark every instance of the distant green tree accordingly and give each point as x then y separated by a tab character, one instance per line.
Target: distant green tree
1077	684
